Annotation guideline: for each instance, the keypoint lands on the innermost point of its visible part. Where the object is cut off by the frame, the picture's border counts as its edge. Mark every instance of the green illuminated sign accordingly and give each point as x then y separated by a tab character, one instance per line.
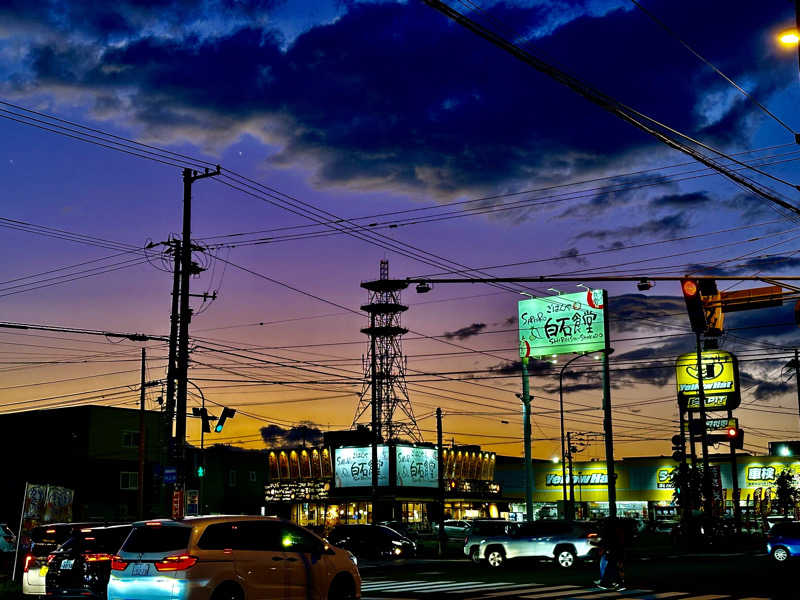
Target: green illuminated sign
565	324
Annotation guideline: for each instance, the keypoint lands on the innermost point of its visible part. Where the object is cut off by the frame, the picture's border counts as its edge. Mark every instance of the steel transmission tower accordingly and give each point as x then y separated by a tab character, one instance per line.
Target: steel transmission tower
384	392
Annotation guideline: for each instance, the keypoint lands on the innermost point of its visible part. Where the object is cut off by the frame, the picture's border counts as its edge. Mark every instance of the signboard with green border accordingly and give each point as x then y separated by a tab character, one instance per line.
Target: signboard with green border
565	324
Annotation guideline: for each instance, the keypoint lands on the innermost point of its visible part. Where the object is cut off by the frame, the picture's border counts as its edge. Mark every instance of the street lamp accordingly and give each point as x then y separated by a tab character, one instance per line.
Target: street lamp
789	38
567	511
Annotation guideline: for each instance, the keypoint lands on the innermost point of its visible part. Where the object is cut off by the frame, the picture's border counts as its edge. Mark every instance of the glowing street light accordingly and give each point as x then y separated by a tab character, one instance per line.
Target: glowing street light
789	38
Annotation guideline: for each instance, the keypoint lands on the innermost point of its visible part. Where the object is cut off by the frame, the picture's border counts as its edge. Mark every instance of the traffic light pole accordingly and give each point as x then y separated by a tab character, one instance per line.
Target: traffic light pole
735	492
707	500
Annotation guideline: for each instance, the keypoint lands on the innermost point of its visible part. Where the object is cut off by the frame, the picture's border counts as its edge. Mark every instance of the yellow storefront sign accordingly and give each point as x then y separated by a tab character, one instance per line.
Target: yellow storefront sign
720	374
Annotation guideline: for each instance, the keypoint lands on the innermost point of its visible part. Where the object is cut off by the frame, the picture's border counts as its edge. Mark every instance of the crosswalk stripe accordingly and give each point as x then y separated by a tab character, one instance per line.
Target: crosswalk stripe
595	594
385	584
534	588
707	597
663	596
469	585
557	589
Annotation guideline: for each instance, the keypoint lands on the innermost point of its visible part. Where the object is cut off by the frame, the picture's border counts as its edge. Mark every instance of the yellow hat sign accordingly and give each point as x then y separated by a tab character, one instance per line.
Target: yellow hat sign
720	375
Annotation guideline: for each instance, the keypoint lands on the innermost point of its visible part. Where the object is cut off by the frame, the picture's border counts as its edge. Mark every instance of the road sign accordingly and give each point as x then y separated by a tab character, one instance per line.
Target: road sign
565	324
170	475
713	425
177	504
192	502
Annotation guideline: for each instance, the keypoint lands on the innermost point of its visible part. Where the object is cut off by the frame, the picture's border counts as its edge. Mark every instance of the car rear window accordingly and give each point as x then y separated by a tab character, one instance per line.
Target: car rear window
164	538
489	527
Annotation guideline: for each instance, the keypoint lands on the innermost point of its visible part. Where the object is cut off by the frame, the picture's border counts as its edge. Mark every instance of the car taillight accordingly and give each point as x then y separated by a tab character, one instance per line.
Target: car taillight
29	558
175	563
50	558
117	564
97	557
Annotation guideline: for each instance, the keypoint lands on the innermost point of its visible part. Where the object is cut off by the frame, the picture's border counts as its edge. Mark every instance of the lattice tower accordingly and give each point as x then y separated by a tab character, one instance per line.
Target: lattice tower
384	396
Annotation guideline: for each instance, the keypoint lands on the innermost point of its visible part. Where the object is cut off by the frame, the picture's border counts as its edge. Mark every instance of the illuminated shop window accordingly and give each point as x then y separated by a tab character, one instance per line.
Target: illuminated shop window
283	461
305	465
272	462
325	459
316	468
294	465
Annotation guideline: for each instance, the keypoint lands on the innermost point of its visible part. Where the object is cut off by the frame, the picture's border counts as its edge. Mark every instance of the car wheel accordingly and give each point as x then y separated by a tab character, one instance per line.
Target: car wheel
228	591
475	556
780	554
565	558
342	588
495	557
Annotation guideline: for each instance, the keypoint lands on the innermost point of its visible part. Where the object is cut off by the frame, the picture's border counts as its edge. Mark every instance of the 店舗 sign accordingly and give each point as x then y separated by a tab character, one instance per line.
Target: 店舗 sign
720	380
353	466
417	466
569	323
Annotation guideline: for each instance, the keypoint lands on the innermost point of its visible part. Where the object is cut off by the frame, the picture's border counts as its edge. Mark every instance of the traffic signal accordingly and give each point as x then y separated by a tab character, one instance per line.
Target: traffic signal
703	304
227	413
677	447
201	472
736	437
203	414
694	304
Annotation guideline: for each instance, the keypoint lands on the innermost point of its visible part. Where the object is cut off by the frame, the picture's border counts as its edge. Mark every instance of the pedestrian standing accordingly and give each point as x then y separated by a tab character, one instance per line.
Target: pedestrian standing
612	555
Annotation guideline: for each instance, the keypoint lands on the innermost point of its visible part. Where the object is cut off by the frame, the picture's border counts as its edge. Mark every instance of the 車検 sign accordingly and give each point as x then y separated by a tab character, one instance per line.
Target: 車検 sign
720	380
565	324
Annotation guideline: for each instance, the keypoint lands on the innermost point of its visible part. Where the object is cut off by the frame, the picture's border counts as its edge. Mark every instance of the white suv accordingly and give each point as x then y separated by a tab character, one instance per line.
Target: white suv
230	558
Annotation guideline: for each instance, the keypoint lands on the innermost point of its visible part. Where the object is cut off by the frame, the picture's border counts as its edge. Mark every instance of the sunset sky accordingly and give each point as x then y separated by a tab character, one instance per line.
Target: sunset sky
383	130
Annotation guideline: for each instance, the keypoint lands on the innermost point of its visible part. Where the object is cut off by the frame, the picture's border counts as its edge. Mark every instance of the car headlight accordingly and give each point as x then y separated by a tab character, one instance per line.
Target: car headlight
352	557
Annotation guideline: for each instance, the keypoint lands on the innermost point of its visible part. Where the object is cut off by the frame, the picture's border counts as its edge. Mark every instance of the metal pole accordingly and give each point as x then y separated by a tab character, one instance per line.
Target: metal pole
607	423
571	477
526	424
735	492
375	424
441	536
567	514
703	439
797	367
140	495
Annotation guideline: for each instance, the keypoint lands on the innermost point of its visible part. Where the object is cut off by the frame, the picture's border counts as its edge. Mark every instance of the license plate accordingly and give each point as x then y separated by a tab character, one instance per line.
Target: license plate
43	571
140	569
67	564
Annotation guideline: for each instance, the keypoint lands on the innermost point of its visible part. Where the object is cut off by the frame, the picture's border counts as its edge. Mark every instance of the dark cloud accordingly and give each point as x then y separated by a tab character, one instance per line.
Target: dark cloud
629	312
763	389
663	227
572	254
275	435
535	366
691	200
396	95
465	332
764	265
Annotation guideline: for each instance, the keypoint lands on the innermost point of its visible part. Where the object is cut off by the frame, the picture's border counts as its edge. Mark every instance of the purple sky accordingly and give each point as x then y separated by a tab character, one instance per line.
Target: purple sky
384	113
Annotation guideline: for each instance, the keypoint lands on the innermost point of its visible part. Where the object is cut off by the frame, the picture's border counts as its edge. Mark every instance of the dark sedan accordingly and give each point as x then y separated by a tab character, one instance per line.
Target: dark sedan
372	541
81	566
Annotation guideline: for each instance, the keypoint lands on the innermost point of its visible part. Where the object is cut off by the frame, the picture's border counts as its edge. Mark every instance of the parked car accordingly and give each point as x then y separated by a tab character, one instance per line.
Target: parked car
453	527
81	566
482	529
372	541
44	539
231	558
566	543
402	528
783	541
